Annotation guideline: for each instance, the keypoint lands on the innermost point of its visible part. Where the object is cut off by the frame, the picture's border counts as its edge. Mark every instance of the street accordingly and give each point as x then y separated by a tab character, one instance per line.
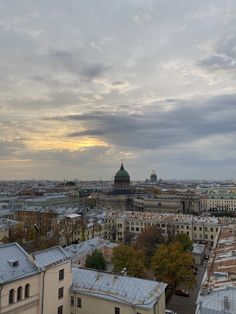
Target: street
186	305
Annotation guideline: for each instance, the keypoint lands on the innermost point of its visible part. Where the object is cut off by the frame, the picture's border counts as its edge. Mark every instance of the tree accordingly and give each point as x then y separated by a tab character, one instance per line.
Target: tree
148	241
128	259
173	266
184	239
96	260
128	236
70	228
16	234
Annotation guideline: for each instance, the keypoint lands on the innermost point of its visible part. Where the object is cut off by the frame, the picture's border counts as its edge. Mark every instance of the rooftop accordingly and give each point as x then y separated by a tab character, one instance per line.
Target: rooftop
220	277
135	291
14	263
50	256
88	246
131	215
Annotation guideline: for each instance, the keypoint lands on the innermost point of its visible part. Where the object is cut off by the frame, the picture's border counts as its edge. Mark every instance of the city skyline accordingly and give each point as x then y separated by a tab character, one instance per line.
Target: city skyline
85	84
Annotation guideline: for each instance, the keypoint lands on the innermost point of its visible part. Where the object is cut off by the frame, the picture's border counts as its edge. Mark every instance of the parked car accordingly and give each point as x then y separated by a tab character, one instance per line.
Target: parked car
182	292
169	312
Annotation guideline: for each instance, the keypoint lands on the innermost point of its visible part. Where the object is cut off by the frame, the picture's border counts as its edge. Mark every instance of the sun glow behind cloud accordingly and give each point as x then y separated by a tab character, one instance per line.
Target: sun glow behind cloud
55	143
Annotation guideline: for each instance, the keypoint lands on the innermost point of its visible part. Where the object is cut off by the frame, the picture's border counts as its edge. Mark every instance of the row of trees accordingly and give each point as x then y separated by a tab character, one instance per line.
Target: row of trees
152	256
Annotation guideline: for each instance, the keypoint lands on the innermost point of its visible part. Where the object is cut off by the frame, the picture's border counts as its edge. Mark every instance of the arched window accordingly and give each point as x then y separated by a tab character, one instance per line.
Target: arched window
27	290
11	296
19	294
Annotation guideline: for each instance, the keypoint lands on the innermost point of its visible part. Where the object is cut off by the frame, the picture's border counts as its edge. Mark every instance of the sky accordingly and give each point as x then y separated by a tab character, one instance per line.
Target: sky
86	84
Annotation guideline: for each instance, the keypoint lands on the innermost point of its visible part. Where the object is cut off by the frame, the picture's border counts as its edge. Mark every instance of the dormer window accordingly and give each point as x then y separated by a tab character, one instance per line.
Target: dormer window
13	262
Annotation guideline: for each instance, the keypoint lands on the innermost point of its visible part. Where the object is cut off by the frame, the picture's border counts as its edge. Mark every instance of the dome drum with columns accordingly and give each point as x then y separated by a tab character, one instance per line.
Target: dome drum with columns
122	179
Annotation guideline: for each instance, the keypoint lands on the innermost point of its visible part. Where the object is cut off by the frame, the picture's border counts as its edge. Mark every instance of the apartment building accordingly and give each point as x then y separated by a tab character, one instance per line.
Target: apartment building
56	279
79	252
219	202
116	224
45	283
19	281
100	292
218	289
34	284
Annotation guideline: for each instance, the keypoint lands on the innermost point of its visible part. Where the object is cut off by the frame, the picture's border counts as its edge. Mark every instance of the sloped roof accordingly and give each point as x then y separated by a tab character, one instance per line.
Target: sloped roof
88	246
134	291
11	254
50	256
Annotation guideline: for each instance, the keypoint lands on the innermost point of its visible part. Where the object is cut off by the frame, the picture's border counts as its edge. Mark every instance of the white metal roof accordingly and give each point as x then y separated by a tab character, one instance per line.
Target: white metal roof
10	253
50	256
134	291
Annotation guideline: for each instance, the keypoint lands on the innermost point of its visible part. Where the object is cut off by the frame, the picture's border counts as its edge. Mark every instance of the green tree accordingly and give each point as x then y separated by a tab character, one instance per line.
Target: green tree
173	266
96	260
128	259
184	239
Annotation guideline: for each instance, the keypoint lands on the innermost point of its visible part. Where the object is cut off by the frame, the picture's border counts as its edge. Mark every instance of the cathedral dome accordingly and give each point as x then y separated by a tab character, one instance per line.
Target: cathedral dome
122	173
122	179
153	176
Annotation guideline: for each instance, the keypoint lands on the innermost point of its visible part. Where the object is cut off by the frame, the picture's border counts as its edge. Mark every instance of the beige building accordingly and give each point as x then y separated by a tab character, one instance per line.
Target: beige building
219	202
100	292
37	284
44	283
116	224
19	281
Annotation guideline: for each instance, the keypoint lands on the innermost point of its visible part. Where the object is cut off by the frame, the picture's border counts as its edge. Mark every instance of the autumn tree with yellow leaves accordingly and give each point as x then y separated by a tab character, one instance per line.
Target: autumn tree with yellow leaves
172	265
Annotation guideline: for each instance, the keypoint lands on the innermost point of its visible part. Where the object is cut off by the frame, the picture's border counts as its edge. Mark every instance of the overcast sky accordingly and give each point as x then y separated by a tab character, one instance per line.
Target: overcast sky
84	84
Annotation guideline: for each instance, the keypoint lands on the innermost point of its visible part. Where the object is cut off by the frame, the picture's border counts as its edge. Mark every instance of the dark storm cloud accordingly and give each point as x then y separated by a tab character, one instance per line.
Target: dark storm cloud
159	126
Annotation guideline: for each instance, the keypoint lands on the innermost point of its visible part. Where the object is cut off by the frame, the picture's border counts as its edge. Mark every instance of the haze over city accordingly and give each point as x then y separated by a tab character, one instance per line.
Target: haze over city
84	84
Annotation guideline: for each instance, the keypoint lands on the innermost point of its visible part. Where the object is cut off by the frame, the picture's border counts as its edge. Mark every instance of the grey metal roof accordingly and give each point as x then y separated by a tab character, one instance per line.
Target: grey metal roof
10	253
87	247
135	291
213	303
50	256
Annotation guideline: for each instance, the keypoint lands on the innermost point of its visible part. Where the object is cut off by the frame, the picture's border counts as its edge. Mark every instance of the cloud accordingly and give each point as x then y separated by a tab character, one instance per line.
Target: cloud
159	125
91	82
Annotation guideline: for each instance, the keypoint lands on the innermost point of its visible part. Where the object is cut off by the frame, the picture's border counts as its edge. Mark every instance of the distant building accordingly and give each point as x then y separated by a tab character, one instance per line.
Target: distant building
117	223
219	202
122	195
122	180
153	177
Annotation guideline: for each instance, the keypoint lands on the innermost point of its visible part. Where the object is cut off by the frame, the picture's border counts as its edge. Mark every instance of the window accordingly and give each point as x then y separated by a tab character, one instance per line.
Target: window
79	303
117	310
72	301
19	294
60	293
60	310
27	291
61	274
11	296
